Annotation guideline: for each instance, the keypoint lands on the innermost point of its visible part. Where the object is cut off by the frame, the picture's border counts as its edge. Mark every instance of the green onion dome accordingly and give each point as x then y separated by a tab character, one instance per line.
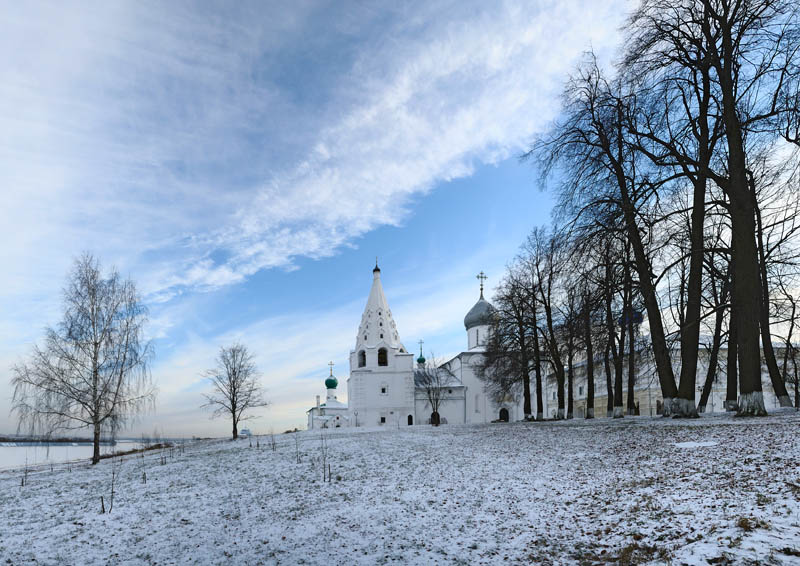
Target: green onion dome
331	382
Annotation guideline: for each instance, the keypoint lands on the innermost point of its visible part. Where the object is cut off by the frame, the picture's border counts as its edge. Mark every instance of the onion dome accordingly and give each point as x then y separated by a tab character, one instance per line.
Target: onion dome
480	314
421	359
331	382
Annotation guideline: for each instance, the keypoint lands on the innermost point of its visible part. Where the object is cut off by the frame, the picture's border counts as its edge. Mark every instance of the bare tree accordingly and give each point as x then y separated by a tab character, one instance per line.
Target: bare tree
747	55
509	351
434	380
92	370
601	172
236	385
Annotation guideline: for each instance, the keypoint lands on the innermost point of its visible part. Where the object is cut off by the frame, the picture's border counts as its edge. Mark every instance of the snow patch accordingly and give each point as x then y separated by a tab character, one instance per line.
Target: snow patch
695	444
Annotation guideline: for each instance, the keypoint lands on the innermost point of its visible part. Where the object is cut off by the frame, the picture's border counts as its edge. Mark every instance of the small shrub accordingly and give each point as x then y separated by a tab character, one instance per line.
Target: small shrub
749	524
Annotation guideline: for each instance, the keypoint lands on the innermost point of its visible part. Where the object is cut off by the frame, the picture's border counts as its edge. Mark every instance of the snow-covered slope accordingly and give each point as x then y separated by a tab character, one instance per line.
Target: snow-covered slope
716	490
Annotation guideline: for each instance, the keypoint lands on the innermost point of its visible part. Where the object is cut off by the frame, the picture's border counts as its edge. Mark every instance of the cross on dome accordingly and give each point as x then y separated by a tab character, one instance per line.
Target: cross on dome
481	277
331	382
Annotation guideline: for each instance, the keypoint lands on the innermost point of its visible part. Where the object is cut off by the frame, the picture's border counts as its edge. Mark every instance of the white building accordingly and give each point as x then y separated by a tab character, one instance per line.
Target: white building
332	413
382	389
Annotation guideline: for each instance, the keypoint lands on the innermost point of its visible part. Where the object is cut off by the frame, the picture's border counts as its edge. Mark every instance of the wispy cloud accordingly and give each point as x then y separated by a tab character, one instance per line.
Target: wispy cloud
430	104
193	146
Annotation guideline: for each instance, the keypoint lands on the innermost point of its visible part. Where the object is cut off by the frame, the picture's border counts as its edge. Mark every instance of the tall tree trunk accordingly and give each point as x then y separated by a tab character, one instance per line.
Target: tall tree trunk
570	374
732	374
611	347
526	376
555	355
661	352
663	360
713	358
609	385
587	329
788	347
537	360
690	329
746	284
796	382
618	408
631	401
778	384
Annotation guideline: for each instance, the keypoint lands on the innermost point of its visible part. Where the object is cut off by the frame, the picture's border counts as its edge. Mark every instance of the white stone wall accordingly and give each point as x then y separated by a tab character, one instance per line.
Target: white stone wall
376	392
451	407
477	335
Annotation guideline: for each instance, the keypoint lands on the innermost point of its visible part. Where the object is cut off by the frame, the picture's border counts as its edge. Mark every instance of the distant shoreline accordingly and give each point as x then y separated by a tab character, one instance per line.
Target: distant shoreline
39	441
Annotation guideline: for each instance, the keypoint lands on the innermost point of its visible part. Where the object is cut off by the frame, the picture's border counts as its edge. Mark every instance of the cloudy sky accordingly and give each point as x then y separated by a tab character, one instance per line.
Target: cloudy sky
245	163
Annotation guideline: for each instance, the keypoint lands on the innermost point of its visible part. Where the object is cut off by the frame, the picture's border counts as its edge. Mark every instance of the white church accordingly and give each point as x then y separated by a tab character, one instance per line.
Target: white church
382	390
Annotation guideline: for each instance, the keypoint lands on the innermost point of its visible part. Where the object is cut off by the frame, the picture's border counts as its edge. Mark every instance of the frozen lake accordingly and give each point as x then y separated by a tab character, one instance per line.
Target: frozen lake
16	456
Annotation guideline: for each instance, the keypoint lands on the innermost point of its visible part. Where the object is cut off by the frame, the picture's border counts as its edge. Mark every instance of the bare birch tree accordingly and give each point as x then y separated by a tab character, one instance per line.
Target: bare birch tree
236	385
92	369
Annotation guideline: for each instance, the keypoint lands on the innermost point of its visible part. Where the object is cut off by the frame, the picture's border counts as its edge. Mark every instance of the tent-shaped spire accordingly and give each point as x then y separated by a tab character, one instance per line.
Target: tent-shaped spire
377	325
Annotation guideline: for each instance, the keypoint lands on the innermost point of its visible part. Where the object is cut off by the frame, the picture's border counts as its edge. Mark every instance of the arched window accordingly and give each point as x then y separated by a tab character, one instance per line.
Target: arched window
410	420
362	359
383	357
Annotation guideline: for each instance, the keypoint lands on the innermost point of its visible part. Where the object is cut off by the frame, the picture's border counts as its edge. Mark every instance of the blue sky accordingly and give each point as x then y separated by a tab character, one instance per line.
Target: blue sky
245	163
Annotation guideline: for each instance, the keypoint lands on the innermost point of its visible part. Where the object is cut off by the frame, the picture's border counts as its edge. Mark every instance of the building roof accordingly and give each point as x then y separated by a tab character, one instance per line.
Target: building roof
377	325
448	379
480	314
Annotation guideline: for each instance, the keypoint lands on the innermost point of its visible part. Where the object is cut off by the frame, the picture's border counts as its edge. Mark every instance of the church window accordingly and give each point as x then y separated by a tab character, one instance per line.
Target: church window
365	337
383	357
381	335
380	324
449	391
384	389
554	395
580	390
383	420
477	403
362	359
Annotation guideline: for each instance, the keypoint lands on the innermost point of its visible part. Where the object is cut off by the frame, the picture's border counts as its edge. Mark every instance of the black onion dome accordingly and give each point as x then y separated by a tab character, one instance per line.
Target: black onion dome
480	314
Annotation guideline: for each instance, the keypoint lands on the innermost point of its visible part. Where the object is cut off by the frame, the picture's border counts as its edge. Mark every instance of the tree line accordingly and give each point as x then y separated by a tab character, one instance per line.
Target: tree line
676	182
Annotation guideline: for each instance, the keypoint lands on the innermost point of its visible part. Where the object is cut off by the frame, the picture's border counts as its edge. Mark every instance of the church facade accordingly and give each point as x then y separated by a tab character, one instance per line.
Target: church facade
385	388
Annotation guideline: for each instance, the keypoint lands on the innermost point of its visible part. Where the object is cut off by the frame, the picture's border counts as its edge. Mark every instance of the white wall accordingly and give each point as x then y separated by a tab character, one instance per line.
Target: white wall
377	391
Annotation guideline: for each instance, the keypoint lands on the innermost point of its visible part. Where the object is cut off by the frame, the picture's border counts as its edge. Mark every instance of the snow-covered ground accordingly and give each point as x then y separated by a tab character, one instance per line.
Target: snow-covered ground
640	490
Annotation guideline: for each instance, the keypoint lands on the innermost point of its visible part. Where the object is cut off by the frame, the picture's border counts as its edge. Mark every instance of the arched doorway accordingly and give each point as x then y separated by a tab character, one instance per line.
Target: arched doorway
435	418
504	415
410	420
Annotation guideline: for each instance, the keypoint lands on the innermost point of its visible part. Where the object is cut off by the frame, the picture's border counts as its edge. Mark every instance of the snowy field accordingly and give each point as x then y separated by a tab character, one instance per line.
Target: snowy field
636	491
